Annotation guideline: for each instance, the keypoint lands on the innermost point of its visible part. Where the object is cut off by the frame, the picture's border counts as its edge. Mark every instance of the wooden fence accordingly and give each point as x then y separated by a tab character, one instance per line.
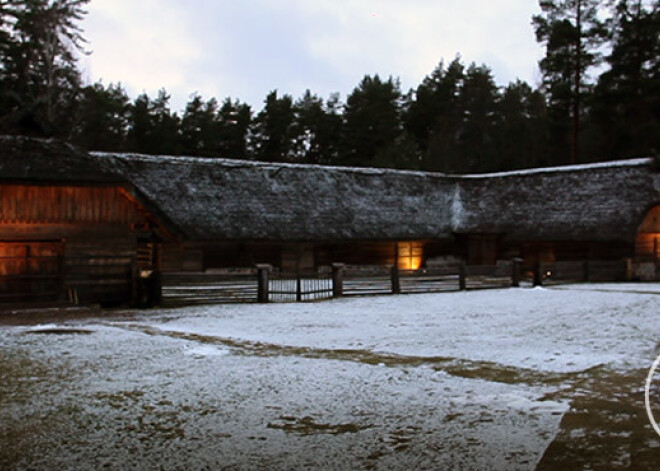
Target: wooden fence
264	284
93	277
228	286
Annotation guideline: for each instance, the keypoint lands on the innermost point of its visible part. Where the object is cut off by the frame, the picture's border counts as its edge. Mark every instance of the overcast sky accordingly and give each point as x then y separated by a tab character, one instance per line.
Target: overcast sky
244	49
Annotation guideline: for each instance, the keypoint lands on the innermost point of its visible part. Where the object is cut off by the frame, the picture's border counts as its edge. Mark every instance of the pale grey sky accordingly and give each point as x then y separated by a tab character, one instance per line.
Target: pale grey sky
244	49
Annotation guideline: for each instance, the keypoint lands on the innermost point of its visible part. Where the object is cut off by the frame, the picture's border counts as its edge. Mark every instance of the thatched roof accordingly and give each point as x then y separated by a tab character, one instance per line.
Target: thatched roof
210	199
216	199
49	160
596	202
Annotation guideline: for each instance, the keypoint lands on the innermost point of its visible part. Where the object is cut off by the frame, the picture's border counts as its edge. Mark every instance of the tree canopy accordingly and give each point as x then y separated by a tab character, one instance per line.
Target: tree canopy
599	99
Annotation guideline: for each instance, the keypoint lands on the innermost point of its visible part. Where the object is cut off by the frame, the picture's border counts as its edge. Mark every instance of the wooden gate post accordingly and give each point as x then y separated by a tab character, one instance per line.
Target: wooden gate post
515	271
538	276
337	280
462	277
298	287
262	282
396	281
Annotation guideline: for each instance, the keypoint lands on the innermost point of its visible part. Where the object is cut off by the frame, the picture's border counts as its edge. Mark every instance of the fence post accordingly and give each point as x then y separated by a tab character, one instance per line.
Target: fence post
298	287
396	282
337	280
585	268
262	282
515	271
538	276
462	275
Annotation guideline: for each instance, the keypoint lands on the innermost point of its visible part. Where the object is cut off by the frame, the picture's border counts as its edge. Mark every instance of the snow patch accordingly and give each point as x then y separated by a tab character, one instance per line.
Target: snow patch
204	351
457	209
564	329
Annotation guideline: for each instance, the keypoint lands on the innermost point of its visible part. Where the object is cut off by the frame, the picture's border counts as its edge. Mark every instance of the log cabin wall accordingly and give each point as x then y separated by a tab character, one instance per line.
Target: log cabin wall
201	256
50	204
564	251
77	242
100	269
289	256
356	253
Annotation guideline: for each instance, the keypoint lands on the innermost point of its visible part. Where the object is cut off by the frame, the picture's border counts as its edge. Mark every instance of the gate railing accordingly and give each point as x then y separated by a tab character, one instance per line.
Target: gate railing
303	286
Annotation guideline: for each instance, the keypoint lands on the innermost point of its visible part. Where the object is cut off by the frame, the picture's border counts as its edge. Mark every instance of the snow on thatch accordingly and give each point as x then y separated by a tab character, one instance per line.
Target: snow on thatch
219	199
49	160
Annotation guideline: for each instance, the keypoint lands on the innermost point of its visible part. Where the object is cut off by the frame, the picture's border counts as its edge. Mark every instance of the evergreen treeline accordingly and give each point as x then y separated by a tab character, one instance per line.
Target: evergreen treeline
457	120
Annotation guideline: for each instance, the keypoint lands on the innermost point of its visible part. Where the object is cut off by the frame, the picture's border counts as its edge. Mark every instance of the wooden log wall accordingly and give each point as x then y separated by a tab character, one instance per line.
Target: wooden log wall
90	232
214	255
67	205
356	253
100	270
30	271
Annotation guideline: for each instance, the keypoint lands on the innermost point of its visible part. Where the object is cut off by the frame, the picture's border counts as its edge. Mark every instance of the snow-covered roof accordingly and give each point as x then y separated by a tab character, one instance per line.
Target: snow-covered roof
49	160
227	199
639	162
210	199
596	202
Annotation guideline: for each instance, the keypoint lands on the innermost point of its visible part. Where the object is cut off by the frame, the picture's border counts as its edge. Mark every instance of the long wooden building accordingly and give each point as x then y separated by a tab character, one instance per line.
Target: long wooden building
88	224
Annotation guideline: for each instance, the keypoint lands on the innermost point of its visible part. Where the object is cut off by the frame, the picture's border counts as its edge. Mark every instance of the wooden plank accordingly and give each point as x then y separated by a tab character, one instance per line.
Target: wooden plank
66	204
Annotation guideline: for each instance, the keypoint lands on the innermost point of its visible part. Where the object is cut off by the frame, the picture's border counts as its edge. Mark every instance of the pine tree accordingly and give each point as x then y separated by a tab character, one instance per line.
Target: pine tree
102	118
627	98
235	119
200	128
317	129
476	139
434	115
572	34
153	128
521	127
39	78
273	134
373	122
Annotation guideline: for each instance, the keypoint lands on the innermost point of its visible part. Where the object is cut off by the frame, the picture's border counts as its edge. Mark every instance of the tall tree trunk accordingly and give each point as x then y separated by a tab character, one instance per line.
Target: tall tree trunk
575	149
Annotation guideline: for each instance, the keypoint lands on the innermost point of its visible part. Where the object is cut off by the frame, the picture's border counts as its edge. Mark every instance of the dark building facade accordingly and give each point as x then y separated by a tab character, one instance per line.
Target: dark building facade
92	221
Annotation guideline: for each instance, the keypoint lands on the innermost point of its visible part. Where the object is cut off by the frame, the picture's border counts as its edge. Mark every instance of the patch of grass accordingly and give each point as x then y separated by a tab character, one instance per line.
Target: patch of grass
308	426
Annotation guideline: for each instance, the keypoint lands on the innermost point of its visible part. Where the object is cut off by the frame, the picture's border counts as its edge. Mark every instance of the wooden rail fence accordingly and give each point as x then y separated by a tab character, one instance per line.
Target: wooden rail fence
25	278
264	284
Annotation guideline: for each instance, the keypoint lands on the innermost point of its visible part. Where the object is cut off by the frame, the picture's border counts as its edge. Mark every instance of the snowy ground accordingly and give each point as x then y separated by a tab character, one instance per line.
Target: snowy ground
495	379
